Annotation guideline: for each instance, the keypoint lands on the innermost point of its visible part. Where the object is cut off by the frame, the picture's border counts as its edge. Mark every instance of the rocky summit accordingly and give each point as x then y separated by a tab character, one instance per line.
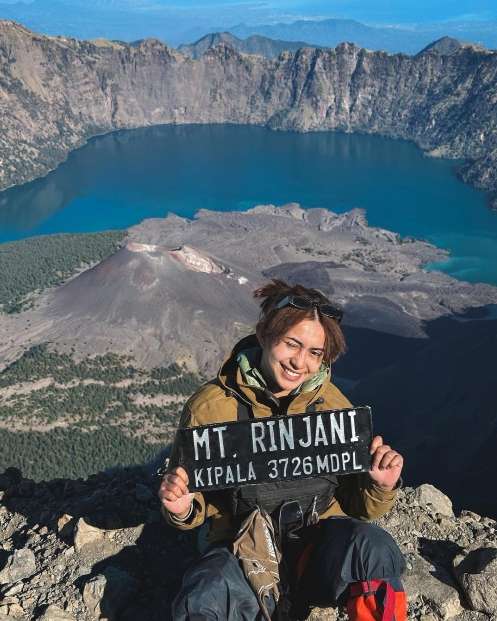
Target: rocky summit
56	92
76	550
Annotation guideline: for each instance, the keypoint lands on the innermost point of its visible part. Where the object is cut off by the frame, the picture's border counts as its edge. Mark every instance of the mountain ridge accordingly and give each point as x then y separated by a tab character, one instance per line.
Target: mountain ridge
57	92
254	44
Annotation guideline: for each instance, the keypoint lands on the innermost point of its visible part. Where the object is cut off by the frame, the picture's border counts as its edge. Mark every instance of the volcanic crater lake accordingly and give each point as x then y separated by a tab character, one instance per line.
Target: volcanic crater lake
119	179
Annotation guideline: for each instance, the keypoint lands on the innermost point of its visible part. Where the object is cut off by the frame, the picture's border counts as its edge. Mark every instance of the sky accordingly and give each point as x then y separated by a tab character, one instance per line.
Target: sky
398	11
373	11
180	21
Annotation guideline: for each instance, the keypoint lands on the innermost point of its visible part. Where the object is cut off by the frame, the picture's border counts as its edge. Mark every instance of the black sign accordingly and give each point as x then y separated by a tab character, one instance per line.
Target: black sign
282	448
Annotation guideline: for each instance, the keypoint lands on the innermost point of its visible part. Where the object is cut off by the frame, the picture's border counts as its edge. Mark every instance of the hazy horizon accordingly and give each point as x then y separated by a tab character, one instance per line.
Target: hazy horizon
184	22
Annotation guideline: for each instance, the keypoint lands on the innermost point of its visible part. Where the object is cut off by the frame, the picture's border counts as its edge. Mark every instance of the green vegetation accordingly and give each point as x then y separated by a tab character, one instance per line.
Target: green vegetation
64	453
39	362
31	265
60	416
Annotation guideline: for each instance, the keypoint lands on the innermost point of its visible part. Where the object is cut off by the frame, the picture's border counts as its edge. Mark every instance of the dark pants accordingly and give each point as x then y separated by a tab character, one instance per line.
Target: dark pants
347	551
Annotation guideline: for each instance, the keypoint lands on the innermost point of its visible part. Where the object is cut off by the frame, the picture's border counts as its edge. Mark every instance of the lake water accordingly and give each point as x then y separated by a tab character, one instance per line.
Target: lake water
117	180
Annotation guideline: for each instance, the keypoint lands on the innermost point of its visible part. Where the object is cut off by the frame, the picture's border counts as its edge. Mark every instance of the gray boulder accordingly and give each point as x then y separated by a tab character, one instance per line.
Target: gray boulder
54	613
20	565
476	572
428	495
438	594
106	594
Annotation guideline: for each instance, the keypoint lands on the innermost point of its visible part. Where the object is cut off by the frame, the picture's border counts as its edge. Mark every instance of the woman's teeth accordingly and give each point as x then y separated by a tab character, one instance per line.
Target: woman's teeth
291	374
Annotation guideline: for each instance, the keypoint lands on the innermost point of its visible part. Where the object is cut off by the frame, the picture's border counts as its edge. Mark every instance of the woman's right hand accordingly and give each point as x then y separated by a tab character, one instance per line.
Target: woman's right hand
174	494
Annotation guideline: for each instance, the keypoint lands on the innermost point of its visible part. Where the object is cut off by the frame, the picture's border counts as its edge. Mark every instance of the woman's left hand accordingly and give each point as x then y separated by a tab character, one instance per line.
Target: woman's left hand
387	464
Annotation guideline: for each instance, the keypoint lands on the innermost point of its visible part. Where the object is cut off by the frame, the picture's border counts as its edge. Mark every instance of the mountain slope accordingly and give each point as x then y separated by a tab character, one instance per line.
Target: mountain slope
438	405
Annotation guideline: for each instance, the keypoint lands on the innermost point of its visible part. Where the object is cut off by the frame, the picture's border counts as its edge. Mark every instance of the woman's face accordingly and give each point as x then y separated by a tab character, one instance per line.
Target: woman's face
295	357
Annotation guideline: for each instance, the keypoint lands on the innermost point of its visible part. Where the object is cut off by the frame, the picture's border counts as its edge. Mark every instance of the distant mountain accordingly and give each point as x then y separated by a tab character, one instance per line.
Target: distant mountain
331	32
448	45
255	44
129	20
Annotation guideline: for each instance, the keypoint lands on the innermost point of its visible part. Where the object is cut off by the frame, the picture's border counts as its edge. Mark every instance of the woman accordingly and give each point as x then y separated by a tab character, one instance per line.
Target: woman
284	369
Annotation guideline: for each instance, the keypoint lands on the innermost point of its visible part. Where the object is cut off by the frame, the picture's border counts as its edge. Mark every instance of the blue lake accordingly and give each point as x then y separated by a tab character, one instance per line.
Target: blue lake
117	180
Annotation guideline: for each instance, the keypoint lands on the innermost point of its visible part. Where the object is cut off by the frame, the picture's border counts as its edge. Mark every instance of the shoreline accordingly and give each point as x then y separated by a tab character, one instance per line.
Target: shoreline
310	90
445	260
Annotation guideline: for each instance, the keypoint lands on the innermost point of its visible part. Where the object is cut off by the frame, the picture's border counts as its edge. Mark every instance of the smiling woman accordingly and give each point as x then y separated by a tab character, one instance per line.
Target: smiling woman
300	336
284	370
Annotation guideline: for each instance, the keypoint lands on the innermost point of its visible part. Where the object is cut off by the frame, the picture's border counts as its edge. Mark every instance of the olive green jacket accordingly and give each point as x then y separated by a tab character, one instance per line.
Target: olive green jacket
215	402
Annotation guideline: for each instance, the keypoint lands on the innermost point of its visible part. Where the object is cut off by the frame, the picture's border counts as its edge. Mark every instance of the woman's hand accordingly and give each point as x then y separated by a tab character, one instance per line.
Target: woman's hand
174	494
387	464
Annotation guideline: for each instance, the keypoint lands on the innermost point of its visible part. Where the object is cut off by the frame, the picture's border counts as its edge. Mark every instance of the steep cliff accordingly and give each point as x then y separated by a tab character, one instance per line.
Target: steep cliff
56	92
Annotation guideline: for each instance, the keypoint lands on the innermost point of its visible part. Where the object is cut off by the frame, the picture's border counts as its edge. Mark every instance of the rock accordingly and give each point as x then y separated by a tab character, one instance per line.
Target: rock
428	495
323	614
16	611
20	565
13	590
65	525
106	594
476	572
469	516
85	534
70	585
438	593
54	613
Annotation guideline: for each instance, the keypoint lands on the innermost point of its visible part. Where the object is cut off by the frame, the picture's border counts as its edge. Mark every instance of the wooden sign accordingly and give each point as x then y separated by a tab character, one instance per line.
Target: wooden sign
281	448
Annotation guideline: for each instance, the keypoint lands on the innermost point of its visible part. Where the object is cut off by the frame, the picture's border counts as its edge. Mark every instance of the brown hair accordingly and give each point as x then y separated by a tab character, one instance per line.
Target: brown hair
275	322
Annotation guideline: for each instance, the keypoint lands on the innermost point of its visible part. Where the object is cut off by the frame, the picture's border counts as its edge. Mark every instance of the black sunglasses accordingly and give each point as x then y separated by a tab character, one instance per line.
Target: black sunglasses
302	303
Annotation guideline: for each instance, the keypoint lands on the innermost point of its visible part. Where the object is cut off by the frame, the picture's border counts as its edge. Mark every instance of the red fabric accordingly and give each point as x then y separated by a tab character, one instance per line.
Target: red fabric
363	605
303	560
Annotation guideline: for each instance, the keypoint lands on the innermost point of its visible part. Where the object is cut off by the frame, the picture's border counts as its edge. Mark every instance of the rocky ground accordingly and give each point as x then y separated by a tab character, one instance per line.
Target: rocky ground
75	550
56	92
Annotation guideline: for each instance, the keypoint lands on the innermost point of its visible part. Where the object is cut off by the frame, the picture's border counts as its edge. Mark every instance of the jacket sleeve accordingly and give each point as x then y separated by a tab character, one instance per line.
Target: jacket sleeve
202	508
359	497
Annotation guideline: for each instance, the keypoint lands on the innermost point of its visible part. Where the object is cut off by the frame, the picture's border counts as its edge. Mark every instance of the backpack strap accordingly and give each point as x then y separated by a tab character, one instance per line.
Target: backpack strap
311	408
243	412
373	599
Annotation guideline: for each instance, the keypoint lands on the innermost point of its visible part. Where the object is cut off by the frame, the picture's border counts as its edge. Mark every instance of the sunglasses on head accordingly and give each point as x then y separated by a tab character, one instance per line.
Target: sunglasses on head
302	303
